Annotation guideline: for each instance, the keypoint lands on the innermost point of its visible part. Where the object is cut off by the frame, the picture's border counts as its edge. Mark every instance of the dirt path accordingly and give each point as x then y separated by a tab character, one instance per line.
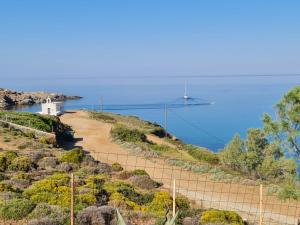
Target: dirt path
94	136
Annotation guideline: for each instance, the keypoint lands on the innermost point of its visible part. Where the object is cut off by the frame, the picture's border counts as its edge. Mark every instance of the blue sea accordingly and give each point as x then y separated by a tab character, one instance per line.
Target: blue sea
239	101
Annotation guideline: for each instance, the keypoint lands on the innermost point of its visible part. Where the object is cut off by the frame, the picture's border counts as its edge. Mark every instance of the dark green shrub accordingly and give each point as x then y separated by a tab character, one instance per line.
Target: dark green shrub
182	203
22	163
5	159
125	134
16	209
75	155
116	167
3	163
10	156
203	154
220	216
132	195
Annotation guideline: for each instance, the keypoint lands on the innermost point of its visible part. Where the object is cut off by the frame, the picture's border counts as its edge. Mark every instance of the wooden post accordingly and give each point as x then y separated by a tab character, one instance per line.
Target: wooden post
261	205
72	200
174	198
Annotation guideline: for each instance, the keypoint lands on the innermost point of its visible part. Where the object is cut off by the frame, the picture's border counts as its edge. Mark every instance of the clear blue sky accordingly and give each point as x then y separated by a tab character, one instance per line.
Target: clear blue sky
65	38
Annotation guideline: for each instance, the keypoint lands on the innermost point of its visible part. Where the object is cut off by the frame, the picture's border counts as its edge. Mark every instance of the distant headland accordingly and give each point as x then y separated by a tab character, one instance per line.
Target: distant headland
9	98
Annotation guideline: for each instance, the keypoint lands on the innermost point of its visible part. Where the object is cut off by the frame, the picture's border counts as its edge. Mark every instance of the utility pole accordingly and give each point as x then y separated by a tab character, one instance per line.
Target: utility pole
101	104
166	120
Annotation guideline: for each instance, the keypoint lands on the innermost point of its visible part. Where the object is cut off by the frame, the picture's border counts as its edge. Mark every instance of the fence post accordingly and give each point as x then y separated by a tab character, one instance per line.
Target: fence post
72	200
261	205
174	198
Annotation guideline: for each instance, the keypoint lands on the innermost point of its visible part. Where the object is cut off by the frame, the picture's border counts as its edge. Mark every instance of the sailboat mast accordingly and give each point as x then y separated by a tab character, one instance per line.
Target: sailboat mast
185	94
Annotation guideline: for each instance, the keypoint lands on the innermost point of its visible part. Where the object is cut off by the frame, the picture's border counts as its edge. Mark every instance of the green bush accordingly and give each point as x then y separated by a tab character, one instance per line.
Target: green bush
3	163
22	163
116	167
103	117
36	121
161	148
203	154
75	155
289	192
16	209
161	201
125	134
182	203
222	217
10	156
139	172
5	159
54	189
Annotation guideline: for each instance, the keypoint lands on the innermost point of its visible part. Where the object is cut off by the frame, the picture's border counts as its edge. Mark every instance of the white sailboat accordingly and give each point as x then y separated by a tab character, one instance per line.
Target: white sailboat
185	96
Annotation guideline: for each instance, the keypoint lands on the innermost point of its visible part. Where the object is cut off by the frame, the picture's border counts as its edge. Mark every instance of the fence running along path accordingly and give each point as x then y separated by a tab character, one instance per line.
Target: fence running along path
231	195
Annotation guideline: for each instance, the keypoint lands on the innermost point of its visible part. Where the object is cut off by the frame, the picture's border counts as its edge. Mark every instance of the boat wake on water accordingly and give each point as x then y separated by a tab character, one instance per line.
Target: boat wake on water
177	103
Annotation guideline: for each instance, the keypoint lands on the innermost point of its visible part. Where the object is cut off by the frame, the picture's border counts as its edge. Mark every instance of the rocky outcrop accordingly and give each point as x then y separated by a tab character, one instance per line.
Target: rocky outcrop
10	98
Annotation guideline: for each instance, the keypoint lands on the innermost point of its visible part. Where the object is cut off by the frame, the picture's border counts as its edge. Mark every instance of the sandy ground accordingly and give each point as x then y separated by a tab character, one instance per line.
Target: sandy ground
94	137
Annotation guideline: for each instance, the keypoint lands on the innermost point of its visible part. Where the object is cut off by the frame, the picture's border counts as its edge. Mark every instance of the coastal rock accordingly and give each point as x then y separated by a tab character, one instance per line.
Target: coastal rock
10	98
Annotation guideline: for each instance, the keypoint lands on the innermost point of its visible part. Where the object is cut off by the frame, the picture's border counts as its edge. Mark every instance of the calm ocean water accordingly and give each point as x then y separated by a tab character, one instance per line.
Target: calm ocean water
239	101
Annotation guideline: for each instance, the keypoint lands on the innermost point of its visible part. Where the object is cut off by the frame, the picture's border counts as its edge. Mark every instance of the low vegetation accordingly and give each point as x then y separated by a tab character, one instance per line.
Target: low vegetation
50	124
35	187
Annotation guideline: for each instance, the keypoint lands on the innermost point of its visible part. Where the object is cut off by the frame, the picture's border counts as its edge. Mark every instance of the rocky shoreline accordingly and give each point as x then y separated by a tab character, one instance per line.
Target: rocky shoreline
9	98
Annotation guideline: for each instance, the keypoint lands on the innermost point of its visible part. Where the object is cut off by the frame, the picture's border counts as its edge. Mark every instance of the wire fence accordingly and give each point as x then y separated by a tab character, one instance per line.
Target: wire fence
206	193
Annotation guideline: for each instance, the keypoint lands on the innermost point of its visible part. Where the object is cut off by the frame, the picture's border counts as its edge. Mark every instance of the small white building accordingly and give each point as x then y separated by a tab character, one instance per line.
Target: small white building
52	108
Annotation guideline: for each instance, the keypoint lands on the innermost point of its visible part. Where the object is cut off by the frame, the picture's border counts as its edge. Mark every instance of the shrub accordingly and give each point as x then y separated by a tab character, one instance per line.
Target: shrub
144	182
22	163
116	167
102	116
54	189
3	163
24	145
289	192
182	203
222	217
40	122
48	162
160	201
16	209
96	215
203	154
125	134
75	155
161	148
132	195
5	159
140	172
10	156
43	210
